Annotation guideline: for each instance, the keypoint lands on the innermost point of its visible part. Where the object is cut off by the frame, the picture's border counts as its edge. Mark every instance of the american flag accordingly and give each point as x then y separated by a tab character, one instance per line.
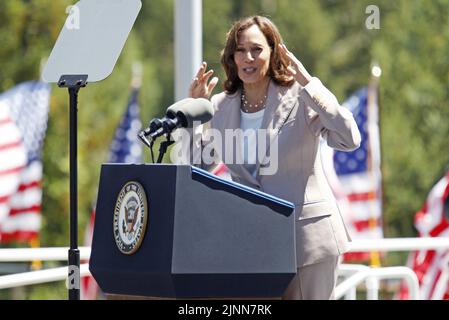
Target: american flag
125	148
432	266
355	177
23	122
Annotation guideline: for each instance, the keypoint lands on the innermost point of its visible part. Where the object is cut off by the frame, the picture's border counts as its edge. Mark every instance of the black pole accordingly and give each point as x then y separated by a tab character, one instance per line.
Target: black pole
73	83
163	148
74	254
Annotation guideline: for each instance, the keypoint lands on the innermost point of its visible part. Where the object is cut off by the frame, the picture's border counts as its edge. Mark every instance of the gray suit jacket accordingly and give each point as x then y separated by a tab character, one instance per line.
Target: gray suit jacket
296	116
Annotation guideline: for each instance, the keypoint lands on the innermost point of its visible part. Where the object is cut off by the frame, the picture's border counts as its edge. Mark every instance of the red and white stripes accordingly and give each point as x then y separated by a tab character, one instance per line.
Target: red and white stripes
432	266
20	192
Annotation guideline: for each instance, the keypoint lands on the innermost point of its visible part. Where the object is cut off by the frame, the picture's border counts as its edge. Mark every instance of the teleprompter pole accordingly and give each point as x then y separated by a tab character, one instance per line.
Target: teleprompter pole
73	83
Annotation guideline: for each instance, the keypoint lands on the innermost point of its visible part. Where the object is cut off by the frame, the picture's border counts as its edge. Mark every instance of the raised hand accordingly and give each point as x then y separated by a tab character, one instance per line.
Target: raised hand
199	88
296	69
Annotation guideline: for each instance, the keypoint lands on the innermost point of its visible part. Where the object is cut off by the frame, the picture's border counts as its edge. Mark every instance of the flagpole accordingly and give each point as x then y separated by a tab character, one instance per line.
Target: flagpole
372	96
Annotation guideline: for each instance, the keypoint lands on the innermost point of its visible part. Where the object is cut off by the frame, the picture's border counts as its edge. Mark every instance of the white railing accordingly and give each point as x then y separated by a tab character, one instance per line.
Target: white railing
353	274
40	276
399	244
42	254
357	274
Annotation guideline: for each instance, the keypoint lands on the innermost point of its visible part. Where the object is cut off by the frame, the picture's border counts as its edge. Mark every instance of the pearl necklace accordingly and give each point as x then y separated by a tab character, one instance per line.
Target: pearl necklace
248	107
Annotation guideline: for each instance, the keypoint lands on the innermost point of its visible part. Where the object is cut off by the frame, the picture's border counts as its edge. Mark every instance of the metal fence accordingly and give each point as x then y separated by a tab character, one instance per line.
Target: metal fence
352	275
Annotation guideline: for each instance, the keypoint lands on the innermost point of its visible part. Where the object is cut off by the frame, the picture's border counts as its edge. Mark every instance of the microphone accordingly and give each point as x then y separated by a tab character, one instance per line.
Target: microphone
181	114
157	123
199	109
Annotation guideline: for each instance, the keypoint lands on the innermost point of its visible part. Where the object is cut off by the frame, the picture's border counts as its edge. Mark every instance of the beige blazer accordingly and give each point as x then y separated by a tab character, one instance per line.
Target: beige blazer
296	116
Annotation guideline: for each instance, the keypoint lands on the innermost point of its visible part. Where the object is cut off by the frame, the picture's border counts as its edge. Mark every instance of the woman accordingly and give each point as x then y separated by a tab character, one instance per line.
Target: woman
267	88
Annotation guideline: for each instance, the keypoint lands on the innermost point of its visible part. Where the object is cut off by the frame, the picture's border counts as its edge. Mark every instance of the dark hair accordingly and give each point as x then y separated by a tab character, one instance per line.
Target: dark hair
279	62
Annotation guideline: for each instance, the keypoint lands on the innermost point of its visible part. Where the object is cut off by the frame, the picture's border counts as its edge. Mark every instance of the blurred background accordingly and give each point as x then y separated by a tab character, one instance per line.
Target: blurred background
331	39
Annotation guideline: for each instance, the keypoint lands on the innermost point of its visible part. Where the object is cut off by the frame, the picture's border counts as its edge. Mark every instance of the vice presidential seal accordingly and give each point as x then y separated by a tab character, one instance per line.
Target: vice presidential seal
130	217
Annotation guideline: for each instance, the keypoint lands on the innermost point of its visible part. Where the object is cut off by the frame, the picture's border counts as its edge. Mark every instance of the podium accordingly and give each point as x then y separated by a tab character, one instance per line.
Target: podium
202	237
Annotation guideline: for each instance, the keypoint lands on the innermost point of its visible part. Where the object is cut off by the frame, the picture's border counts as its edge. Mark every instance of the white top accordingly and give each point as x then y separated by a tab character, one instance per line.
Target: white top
250	123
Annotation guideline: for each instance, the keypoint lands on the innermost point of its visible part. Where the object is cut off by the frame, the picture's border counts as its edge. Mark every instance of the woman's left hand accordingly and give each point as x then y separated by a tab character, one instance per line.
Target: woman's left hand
296	68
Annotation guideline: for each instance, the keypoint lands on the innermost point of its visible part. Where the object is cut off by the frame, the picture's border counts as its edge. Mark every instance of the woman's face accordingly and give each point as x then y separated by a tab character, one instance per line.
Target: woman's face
252	56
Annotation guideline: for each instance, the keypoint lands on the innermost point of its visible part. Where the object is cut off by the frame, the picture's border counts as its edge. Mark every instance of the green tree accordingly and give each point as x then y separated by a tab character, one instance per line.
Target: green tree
412	49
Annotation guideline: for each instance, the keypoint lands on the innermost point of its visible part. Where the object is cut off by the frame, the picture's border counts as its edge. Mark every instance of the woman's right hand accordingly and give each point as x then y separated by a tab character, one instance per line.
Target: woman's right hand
199	88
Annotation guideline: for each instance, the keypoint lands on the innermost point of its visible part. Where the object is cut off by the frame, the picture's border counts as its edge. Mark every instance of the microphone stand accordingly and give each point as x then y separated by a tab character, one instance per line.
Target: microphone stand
163	147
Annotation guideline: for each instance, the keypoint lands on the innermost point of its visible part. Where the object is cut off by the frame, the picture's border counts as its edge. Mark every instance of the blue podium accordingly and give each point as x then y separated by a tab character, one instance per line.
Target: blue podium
201	237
